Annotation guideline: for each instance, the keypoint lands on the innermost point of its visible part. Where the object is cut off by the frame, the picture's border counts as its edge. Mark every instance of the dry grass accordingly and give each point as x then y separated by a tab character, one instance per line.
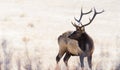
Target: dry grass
29	31
103	60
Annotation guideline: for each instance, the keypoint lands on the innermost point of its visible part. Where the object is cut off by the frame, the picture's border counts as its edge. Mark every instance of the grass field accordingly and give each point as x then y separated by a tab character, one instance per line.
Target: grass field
29	30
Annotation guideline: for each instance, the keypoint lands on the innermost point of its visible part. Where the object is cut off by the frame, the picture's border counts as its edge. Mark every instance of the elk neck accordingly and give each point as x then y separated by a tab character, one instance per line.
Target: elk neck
83	40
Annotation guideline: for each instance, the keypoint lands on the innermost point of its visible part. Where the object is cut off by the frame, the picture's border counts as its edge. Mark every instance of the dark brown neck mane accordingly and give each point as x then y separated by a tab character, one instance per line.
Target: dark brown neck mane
85	42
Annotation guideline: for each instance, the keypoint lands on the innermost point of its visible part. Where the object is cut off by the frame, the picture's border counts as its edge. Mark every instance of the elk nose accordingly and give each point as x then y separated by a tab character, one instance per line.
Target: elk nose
69	36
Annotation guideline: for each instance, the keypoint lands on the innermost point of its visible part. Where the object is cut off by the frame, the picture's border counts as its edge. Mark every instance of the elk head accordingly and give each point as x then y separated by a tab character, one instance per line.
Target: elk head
81	29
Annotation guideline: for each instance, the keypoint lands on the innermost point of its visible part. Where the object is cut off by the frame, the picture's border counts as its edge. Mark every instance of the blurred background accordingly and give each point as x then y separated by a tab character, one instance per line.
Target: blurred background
29	30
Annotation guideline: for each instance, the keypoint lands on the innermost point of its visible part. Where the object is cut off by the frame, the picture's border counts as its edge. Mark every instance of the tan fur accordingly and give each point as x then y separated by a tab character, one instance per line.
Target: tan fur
67	44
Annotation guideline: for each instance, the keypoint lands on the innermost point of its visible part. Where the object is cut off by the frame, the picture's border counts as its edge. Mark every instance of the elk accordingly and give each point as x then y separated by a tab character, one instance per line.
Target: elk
77	43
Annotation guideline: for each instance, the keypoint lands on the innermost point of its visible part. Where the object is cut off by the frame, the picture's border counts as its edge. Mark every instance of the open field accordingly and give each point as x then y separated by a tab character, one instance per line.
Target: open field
29	31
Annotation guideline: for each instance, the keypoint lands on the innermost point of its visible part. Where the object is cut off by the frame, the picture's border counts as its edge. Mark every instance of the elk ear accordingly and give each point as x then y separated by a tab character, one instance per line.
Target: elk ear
82	29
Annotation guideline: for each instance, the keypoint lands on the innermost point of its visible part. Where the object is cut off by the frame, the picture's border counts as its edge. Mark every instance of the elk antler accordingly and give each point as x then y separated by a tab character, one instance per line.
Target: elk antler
95	13
82	15
74	24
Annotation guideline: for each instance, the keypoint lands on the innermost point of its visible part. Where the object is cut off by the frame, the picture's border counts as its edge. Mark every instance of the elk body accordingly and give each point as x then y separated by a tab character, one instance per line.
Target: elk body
77	43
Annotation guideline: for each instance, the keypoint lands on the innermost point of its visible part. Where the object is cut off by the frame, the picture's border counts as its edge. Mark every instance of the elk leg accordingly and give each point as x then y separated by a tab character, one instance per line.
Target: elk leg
89	58
82	61
59	56
66	58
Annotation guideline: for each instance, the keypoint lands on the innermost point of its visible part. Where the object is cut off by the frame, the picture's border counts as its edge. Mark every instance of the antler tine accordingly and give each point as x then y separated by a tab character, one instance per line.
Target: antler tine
82	15
98	12
78	20
95	13
74	24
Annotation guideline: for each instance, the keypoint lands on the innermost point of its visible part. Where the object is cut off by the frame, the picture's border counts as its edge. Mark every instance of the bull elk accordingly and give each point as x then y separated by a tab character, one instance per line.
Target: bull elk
77	43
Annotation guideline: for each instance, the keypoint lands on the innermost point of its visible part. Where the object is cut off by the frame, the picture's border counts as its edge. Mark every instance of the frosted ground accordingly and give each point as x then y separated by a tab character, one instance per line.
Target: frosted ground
29	31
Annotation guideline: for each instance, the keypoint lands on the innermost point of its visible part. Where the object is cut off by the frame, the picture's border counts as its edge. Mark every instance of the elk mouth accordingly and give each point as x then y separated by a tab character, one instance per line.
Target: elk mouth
70	36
